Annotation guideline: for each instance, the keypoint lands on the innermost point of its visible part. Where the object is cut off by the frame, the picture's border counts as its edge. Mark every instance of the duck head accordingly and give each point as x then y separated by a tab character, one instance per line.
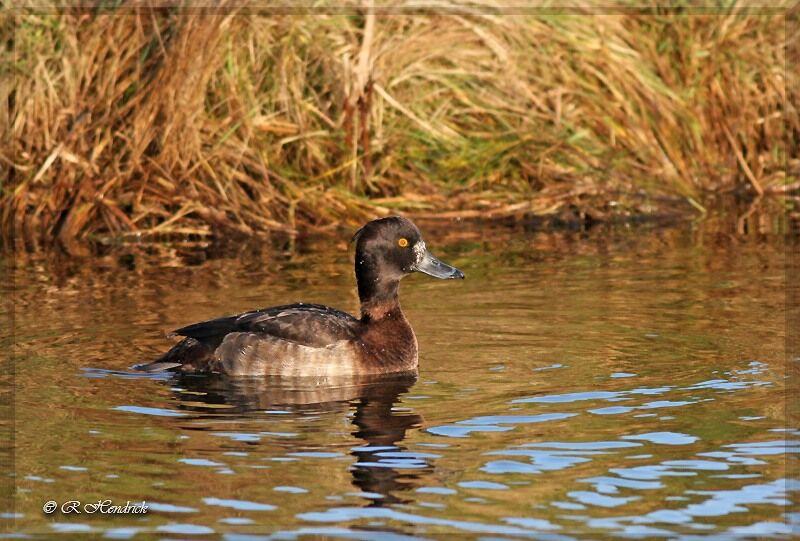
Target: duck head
387	250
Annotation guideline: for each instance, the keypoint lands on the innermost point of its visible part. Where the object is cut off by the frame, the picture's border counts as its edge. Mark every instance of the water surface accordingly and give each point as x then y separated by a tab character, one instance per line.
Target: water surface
624	381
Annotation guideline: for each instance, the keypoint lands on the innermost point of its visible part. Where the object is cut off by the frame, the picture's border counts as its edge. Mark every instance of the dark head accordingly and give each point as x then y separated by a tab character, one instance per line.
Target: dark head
387	250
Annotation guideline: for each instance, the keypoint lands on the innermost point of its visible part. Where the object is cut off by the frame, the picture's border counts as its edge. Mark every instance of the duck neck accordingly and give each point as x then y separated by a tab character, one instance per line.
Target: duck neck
378	293
379	302
376	311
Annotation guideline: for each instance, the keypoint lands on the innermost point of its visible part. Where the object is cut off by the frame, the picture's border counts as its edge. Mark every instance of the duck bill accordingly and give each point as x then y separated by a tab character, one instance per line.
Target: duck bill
432	266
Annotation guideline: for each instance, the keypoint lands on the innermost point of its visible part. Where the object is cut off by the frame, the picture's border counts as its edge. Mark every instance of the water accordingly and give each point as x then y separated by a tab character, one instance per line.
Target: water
626	382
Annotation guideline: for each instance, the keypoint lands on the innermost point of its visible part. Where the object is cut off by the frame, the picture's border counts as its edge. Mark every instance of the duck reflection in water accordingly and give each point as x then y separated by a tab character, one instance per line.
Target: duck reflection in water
383	466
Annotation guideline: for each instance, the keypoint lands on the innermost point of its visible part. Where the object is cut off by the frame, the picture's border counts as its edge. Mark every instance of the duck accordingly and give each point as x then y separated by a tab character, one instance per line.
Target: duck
313	340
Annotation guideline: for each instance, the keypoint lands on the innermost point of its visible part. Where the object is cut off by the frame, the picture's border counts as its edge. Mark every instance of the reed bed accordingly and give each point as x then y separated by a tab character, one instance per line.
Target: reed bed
139	121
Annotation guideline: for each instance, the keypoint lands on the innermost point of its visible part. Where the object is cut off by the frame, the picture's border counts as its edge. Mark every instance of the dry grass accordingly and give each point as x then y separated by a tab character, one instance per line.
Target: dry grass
143	121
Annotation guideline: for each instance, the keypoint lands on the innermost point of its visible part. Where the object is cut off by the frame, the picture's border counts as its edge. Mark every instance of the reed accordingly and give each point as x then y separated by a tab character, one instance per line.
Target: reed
147	121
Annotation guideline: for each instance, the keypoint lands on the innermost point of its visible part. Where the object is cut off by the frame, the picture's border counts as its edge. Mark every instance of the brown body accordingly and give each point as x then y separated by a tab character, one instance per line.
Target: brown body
310	340
382	346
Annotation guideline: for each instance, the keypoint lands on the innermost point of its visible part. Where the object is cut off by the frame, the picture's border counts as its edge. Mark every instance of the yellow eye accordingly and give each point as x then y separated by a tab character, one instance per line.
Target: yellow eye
403	242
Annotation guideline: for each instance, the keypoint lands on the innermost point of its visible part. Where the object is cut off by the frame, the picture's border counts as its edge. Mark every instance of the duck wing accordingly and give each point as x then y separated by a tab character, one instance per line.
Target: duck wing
312	325
278	328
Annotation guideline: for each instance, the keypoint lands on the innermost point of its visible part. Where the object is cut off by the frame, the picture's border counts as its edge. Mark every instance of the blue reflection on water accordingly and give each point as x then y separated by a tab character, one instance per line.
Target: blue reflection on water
239	505
159	412
491	423
663	438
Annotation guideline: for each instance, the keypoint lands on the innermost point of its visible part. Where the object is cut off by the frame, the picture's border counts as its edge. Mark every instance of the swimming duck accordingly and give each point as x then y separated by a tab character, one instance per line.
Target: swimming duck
314	340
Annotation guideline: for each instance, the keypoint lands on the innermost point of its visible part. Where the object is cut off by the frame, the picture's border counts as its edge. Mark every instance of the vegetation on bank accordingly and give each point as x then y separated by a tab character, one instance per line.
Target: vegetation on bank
145	121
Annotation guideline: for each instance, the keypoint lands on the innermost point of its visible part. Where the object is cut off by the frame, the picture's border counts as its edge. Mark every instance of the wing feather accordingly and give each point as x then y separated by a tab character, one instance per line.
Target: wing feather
311	325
